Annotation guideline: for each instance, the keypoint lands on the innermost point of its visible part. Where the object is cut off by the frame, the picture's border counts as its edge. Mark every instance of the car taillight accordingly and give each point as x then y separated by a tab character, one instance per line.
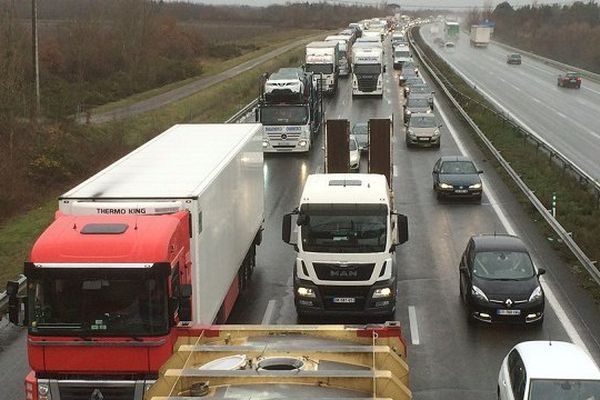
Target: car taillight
578	78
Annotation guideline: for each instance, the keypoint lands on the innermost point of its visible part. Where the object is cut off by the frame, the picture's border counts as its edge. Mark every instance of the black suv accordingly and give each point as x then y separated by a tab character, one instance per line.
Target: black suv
498	281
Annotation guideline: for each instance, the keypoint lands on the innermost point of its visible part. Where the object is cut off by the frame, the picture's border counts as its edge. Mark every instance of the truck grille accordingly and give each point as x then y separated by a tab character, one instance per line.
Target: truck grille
367	84
347	272
72	391
280	136
358	293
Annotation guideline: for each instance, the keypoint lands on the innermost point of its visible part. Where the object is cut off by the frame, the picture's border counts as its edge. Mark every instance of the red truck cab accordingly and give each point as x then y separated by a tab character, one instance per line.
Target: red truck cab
104	296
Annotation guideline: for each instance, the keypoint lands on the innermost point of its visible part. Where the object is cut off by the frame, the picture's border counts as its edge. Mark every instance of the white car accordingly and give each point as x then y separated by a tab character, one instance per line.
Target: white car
354	154
548	370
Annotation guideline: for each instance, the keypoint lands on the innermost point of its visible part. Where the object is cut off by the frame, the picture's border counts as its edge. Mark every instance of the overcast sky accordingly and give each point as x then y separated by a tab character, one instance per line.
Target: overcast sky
407	3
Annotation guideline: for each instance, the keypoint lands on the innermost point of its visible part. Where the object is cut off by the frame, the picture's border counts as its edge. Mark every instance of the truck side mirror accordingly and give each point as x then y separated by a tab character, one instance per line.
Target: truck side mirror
286	228
17	305
384	68
401	222
256	115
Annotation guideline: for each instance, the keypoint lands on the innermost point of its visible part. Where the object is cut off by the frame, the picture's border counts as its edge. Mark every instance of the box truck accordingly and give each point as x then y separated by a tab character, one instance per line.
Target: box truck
480	35
321	60
162	239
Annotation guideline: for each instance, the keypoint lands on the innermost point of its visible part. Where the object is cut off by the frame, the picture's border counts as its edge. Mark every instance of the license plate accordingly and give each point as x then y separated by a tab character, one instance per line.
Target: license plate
460	191
344	300
509	312
423	139
573	80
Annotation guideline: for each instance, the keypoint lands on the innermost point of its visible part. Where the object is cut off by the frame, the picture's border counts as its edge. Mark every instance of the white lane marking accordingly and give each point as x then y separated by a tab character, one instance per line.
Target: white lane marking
268	313
591	90
395	168
561	114
388	101
536	100
491	194
414	325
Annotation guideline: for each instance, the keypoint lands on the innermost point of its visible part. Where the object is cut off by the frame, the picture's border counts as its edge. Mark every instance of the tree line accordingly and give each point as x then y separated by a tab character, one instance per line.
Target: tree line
567	33
93	52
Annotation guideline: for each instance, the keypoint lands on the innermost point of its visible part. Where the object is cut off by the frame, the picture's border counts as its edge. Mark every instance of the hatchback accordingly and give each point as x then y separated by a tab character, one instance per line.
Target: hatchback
499	282
456	176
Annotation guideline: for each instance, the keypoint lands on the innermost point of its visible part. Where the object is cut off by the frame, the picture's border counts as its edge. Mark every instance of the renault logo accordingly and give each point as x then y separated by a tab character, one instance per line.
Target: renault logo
96	395
508	302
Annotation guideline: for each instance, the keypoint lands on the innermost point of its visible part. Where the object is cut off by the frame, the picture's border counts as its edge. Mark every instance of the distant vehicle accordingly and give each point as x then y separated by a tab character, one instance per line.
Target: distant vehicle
401	55
354	155
513	58
449	45
423	89
548	370
343	53
416	104
569	79
406	74
456	176
480	35
321	60
411	81
451	30
360	131
423	130
499	282
410	65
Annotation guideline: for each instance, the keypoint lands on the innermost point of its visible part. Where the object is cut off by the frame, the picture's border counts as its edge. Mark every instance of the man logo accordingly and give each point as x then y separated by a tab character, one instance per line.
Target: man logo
96	395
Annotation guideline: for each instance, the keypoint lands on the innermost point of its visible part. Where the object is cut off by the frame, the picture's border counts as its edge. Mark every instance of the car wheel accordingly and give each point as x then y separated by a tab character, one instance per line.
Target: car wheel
478	198
439	195
437	146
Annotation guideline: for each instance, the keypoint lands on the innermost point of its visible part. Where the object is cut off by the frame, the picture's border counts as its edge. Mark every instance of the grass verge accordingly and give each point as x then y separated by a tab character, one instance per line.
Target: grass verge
578	210
213	66
214	104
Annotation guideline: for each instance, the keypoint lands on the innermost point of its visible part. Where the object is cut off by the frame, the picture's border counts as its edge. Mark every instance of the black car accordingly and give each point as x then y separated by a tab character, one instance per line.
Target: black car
456	176
498	281
514	58
360	130
406	75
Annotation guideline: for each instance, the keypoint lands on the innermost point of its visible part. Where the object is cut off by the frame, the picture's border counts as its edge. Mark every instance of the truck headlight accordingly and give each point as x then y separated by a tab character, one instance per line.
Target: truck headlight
536	294
44	391
445	186
265	143
306	292
475	186
382	293
302	143
478	294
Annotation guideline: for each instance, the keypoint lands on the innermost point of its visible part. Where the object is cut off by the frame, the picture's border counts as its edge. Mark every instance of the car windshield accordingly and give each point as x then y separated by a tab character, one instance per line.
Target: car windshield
112	303
417	103
320	68
422	121
344	228
503	265
572	74
284	115
544	389
457	167
374	69
360	129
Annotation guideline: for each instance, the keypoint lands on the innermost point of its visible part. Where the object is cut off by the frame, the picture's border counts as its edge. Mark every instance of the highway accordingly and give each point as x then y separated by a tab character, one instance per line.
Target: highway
449	359
566	118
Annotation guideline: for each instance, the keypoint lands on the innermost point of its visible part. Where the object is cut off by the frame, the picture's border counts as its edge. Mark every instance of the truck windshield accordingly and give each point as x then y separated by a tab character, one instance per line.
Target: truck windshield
320	68
374	69
284	115
402	54
116	304
543	389
344	228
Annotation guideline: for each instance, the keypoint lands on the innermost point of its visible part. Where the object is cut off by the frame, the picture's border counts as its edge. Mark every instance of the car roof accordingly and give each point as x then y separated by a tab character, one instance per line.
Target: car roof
498	242
454	158
557	360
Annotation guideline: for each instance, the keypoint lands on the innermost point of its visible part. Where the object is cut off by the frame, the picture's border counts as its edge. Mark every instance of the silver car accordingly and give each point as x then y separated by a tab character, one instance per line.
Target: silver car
423	129
416	104
354	154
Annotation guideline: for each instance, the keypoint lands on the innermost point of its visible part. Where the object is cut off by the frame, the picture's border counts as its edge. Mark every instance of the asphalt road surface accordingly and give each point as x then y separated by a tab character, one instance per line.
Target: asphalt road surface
566	118
449	359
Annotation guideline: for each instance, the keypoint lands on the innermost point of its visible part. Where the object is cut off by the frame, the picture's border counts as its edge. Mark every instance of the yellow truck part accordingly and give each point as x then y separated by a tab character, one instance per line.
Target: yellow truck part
286	361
